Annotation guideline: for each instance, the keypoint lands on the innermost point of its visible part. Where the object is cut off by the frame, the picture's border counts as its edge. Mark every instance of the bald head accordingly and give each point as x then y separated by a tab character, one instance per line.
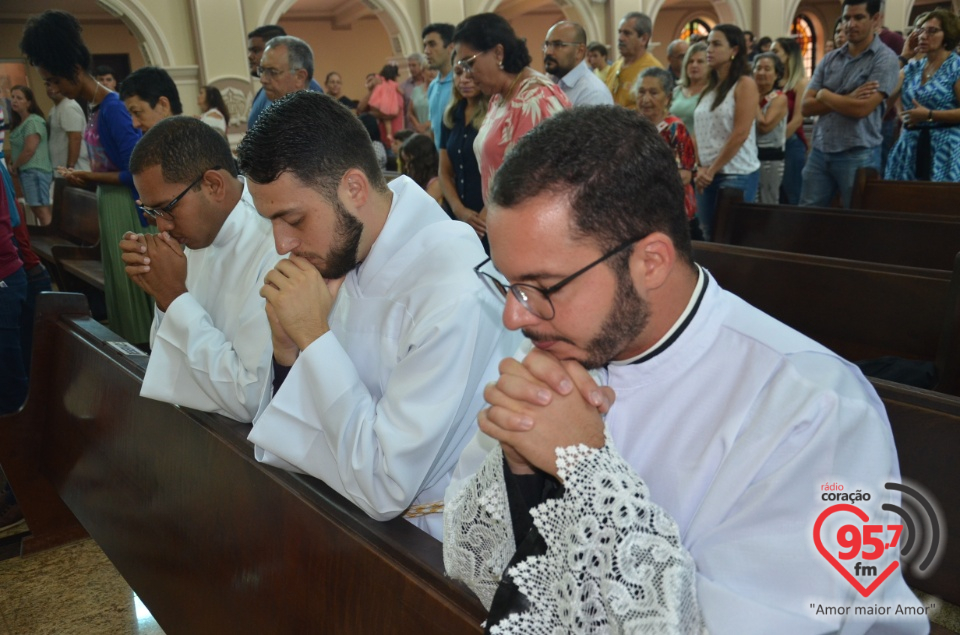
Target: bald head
564	47
675	52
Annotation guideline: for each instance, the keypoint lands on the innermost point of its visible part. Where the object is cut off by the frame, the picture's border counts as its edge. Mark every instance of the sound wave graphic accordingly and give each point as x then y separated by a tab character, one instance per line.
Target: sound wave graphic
929	525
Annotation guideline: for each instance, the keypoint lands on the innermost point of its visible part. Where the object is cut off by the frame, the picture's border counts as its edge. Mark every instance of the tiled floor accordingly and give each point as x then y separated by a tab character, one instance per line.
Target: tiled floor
71	590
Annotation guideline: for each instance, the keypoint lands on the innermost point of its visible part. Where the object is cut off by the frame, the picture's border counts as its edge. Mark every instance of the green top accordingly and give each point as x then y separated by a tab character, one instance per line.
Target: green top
40	160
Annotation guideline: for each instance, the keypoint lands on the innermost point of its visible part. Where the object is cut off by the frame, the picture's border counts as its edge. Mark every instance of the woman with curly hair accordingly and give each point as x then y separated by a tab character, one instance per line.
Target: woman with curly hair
53	44
422	164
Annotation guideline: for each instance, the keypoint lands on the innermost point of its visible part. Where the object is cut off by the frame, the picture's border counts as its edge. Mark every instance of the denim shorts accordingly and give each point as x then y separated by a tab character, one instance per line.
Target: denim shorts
36	187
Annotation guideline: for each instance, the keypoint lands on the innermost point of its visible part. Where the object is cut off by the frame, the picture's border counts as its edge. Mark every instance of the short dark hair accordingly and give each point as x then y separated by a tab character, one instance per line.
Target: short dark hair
267	32
389	71
624	183
444	30
53	42
950	24
150	83
183	147
873	6
104	69
312	137
484	31
598	47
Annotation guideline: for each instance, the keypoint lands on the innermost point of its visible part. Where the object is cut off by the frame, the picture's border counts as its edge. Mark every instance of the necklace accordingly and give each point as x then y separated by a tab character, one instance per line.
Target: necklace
931	70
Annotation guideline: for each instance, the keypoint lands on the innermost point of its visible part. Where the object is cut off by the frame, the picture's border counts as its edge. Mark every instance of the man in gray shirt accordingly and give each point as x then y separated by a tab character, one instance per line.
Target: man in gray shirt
564	53
848	91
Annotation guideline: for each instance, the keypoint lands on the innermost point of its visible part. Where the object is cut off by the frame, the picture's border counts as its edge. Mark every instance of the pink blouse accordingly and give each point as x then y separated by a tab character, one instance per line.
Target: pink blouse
537	99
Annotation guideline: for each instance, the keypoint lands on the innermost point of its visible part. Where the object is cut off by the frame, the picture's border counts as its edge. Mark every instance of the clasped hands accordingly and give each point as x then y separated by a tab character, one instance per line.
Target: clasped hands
540	405
298	306
156	263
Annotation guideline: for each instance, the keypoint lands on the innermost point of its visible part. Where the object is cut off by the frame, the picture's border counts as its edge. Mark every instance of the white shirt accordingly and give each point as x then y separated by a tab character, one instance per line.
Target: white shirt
214	119
714	127
734	427
380	406
211	350
67	116
583	88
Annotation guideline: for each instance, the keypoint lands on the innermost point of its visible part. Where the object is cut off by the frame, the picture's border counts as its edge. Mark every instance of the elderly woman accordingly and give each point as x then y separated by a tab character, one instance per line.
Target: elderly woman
693	79
416	107
654	89
771	125
520	97
930	95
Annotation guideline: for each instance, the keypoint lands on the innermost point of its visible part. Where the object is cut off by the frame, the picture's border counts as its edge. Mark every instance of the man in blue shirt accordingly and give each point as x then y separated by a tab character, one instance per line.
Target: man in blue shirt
257	41
848	91
438	48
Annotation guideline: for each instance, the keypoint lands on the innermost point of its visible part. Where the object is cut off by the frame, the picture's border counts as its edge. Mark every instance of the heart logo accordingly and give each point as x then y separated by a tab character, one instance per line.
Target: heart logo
862	515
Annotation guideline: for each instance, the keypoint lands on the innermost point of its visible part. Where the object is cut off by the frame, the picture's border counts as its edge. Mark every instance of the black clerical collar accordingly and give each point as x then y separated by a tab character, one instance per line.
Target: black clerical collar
678	327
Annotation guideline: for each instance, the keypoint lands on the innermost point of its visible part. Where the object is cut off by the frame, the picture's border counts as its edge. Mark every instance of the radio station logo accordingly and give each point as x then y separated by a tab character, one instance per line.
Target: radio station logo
863	549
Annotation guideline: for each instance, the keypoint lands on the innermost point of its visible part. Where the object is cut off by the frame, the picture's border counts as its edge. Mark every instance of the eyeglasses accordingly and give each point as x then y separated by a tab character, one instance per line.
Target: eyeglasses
556	44
535	299
929	30
467	64
274	73
164	212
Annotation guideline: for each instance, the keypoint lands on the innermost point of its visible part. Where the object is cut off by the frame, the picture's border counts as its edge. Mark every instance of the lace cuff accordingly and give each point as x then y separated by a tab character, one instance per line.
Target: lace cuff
478	537
614	560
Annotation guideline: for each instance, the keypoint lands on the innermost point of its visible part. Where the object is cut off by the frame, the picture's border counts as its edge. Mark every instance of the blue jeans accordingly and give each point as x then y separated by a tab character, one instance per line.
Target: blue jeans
13	376
796	157
708	198
828	173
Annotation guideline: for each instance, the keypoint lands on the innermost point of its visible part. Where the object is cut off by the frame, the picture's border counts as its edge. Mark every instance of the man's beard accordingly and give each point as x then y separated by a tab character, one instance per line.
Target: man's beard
627	318
342	257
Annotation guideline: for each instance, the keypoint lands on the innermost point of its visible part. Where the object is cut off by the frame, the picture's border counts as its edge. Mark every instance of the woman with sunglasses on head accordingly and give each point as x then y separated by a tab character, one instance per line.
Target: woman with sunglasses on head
520	97
53	44
929	144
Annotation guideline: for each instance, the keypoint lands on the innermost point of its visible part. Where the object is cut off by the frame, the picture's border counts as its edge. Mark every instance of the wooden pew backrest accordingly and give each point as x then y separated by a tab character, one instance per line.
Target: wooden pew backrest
211	540
870	192
860	310
898	238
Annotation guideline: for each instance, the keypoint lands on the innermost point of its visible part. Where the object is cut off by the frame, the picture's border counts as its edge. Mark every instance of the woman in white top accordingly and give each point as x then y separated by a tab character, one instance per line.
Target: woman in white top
771	125
215	112
724	125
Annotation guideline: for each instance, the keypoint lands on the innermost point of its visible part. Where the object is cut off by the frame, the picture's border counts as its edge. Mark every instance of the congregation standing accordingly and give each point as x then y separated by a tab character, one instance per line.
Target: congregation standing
369	325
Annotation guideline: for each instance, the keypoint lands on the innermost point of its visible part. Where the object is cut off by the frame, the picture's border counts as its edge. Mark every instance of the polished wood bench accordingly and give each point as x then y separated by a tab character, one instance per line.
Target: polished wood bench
211	540
75	223
870	192
860	310
911	239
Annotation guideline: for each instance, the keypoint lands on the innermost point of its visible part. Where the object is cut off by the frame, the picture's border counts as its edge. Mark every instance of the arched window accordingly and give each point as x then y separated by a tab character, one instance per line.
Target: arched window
806	36
695	26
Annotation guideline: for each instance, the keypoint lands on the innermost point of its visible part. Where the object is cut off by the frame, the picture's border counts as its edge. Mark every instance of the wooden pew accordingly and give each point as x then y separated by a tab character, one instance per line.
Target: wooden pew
870	192
211	540
926	428
76	222
897	238
859	310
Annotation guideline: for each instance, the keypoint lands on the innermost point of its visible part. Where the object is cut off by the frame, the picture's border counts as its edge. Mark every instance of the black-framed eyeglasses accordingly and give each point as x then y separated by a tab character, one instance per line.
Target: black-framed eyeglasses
467	63
164	212
536	299
556	44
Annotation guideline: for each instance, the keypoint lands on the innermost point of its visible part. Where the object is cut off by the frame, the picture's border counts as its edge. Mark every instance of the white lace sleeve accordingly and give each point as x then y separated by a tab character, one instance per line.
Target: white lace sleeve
614	561
478	537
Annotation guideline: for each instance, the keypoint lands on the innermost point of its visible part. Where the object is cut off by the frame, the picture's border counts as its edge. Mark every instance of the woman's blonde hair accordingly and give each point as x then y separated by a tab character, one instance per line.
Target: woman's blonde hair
455	98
